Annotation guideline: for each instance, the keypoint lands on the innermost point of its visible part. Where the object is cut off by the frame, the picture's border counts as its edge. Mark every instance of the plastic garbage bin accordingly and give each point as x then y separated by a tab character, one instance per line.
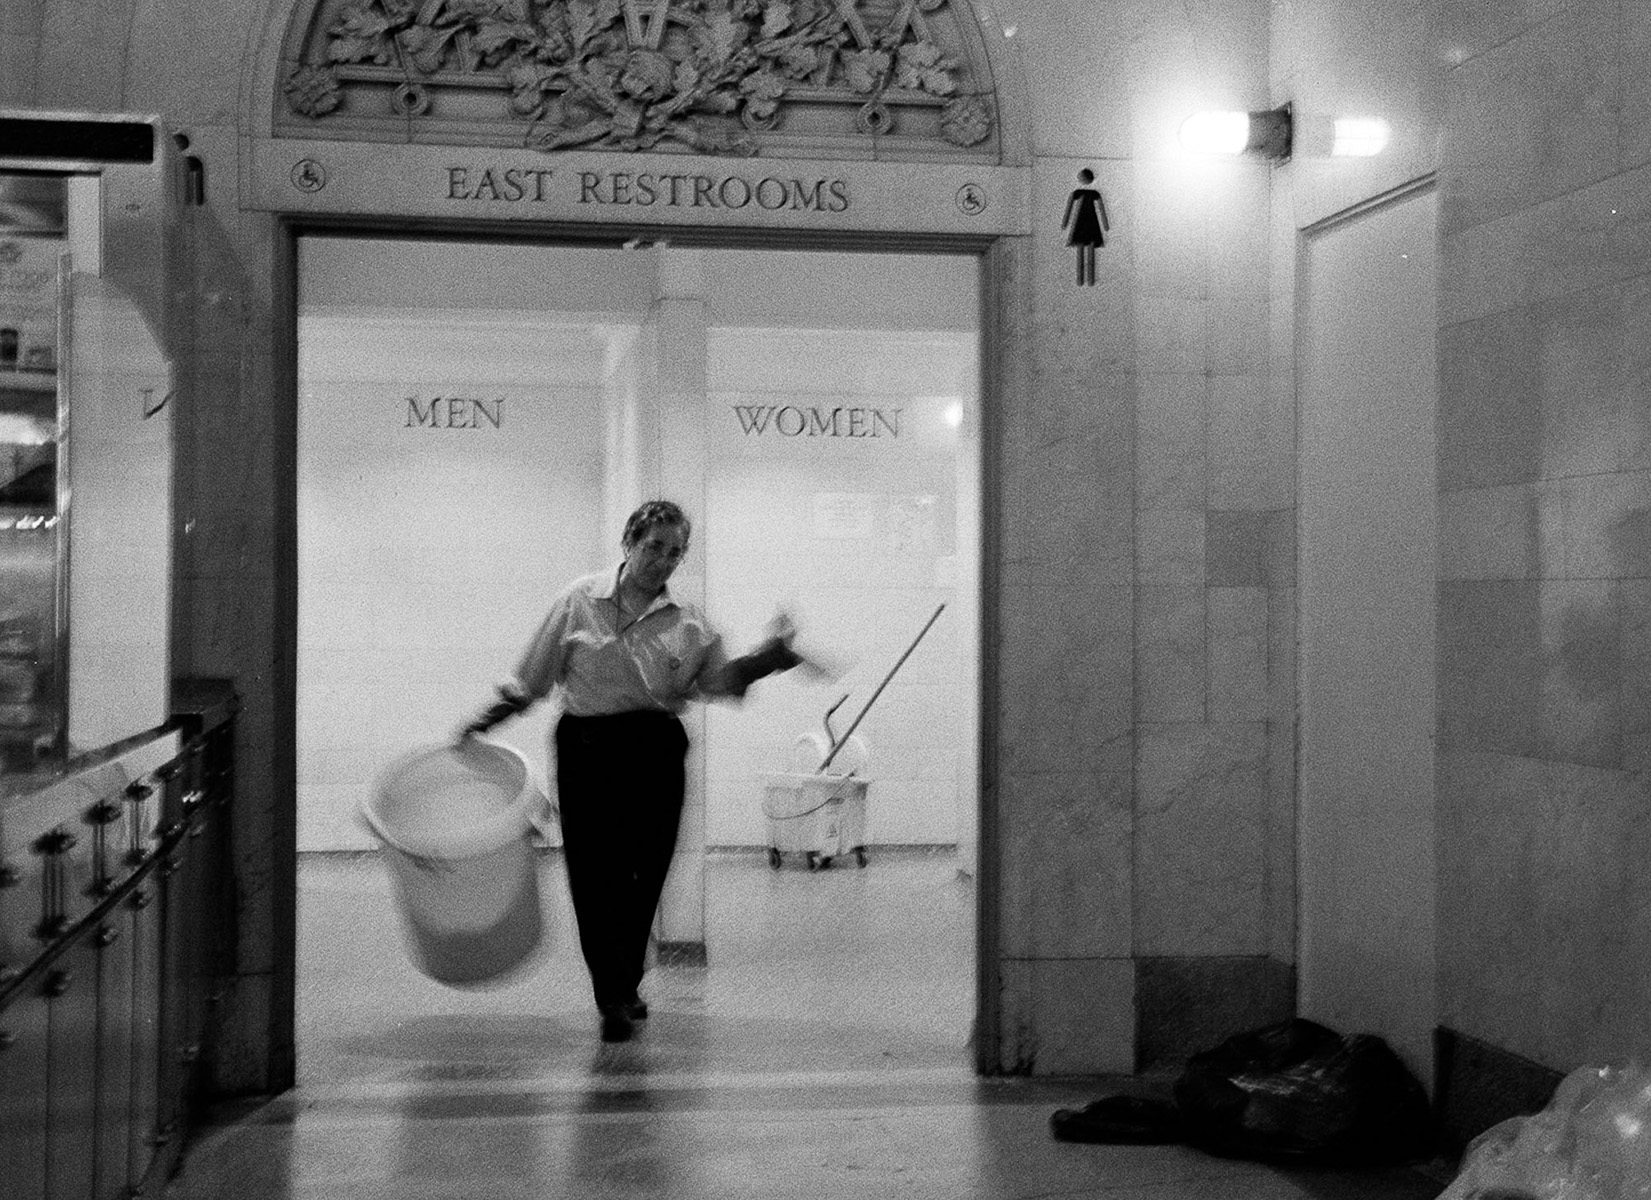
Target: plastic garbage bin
453	822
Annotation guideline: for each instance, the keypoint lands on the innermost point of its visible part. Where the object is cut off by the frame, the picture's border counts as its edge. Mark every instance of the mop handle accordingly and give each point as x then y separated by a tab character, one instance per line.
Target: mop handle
838	744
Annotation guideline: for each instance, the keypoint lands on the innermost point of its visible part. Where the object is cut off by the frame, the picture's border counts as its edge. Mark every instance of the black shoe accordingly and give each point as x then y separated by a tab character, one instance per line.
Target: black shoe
616	1025
635	1008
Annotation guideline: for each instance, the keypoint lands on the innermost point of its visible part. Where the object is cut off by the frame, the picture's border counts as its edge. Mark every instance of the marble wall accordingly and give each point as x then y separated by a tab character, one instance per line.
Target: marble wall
1147	693
1535	117
1545	528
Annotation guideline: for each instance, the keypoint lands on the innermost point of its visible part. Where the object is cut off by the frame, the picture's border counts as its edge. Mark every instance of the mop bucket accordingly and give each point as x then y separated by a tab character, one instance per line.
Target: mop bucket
453	823
821	815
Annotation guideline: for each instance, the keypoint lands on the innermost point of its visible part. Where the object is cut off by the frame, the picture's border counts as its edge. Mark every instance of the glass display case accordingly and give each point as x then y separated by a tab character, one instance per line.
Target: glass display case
89	230
33	269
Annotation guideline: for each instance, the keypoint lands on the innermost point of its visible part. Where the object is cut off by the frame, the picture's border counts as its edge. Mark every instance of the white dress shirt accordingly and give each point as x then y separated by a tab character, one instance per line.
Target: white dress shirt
604	661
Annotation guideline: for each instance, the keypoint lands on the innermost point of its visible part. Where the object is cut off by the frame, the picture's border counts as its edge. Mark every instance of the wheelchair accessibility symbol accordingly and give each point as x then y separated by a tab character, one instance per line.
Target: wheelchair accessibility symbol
308	175
971	199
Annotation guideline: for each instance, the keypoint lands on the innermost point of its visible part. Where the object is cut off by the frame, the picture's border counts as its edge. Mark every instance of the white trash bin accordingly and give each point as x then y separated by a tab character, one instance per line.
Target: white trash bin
453	822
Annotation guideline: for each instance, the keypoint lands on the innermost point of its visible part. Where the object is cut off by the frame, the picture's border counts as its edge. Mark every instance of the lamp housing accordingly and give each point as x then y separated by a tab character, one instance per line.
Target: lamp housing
1265	134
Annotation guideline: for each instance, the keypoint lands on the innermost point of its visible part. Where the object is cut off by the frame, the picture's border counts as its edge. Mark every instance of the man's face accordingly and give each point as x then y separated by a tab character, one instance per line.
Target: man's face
651	559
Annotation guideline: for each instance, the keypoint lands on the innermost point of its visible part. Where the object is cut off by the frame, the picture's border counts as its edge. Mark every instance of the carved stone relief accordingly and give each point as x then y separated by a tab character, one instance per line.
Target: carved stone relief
884	78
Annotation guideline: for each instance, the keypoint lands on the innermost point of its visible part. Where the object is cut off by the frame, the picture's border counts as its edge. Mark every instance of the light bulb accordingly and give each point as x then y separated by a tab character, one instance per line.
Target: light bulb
1216	132
1359	137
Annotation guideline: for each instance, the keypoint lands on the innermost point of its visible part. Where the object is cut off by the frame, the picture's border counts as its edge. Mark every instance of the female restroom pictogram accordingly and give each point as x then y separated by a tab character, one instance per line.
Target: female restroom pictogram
1086	216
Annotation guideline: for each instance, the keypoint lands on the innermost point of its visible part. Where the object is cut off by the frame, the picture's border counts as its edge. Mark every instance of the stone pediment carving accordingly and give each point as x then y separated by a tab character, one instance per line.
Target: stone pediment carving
859	78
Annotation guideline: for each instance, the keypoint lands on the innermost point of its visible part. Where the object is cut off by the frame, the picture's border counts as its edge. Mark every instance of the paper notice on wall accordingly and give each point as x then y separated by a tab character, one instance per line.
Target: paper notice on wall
912	523
845	516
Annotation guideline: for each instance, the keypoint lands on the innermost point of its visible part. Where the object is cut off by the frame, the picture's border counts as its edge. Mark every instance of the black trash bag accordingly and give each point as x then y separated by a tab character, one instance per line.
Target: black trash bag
1298	1092
1119	1120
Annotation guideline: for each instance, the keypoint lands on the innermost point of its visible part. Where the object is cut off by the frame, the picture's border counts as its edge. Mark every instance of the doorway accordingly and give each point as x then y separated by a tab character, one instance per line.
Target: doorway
475	420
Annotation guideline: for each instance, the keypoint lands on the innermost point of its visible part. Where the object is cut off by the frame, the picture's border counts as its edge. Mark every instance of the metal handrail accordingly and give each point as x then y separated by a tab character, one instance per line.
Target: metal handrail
15	981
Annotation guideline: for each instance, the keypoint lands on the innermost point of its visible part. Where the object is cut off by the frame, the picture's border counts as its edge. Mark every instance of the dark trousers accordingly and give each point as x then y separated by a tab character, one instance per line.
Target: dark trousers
619	781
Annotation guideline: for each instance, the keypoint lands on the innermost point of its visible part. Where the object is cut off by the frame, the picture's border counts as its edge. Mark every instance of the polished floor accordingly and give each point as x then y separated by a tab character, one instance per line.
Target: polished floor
822	1053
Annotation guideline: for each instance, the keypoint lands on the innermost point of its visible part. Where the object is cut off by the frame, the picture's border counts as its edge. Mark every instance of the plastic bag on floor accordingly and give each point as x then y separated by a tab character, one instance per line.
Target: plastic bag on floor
1592	1142
1291	1092
1297	1091
1119	1121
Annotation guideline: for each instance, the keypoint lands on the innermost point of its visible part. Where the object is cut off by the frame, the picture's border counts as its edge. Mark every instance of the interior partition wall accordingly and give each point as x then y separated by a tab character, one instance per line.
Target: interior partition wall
451	442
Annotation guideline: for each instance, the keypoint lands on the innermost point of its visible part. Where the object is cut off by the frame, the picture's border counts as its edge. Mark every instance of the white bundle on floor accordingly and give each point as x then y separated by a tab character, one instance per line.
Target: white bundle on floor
1592	1142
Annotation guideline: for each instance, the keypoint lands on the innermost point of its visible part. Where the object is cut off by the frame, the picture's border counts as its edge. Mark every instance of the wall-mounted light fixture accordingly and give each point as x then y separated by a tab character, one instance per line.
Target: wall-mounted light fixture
1280	133
1261	134
1358	137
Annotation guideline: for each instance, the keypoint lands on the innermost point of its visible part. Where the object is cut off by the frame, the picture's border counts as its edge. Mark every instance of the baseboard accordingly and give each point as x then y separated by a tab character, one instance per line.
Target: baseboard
680	954
1477	1085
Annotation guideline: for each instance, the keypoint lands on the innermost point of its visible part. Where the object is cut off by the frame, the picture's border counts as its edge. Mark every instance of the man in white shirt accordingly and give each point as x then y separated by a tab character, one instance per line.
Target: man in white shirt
626	658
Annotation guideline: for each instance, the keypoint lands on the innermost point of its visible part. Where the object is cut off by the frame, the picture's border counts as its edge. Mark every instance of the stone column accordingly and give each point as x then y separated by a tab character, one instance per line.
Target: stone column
674	427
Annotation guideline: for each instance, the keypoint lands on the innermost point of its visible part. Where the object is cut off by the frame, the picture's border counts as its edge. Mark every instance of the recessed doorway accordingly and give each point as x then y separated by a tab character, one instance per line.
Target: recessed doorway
475	419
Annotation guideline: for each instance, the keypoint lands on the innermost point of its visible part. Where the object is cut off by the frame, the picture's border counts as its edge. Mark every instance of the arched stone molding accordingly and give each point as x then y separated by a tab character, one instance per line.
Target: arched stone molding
889	80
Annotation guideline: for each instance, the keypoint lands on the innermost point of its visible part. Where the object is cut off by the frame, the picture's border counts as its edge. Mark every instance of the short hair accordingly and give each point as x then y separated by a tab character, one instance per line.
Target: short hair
655	512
